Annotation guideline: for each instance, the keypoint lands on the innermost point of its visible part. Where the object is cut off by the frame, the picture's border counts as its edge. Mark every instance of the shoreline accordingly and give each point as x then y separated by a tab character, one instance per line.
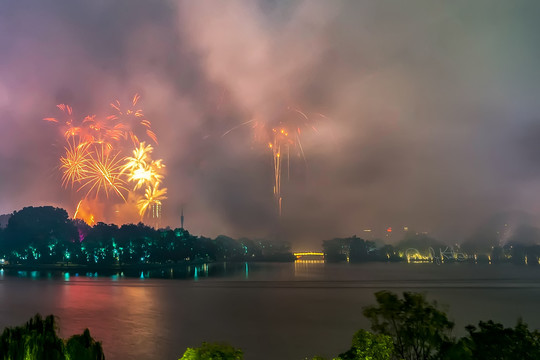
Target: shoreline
123	267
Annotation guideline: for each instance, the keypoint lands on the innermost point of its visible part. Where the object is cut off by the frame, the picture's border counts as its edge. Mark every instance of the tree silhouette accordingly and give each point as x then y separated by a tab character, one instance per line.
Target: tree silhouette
418	328
38	339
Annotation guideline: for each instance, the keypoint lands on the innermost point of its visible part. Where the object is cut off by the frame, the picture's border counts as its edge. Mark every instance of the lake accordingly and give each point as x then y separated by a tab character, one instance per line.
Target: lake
271	311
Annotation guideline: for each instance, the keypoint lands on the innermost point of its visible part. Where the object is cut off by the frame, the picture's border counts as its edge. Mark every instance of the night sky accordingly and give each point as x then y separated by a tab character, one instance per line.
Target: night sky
431	109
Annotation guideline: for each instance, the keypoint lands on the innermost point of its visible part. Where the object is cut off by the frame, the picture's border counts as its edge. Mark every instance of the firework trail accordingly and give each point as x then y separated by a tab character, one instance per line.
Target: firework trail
84	212
281	136
95	164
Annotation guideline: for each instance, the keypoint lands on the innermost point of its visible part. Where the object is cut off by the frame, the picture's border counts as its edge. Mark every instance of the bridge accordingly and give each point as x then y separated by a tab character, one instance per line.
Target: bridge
309	255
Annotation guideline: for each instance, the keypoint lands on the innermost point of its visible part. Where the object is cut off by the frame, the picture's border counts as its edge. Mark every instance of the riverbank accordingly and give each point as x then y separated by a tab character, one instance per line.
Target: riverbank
140	267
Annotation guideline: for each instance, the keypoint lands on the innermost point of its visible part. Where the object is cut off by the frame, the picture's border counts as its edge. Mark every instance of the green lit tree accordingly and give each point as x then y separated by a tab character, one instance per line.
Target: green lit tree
213	351
38	339
39	234
369	346
84	347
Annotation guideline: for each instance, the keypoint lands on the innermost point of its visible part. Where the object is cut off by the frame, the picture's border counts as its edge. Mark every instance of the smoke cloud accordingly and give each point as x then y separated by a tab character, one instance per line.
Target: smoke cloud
430	109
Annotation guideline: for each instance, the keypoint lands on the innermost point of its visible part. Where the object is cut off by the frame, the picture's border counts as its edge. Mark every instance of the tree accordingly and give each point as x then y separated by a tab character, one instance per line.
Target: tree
336	250
39	232
228	249
213	351
360	249
37	339
421	242
497	255
369	346
84	347
98	243
388	253
418	328
492	341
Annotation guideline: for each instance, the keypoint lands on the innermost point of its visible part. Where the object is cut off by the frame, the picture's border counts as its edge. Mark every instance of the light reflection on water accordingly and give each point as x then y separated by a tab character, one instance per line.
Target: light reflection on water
272	311
189	272
308	268
123	317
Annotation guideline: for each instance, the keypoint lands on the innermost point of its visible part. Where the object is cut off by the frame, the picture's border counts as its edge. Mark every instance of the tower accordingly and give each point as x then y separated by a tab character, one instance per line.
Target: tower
182	219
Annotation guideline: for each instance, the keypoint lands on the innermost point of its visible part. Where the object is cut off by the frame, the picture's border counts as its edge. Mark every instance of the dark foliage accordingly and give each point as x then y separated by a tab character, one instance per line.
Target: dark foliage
38	339
418	328
492	341
45	235
84	347
354	249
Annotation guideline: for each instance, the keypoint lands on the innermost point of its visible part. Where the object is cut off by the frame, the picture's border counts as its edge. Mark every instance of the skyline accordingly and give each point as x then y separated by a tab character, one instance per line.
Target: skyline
430	110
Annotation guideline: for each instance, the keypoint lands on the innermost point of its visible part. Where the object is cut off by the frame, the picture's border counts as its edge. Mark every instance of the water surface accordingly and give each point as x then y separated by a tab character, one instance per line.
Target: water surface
271	311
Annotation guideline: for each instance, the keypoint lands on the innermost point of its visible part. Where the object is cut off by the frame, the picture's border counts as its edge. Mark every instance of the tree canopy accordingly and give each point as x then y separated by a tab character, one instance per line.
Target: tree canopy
38	339
213	351
418	328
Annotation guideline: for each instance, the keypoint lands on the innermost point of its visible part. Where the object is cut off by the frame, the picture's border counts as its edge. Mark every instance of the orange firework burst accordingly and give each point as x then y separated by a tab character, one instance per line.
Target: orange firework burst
90	129
106	131
69	127
94	159
132	118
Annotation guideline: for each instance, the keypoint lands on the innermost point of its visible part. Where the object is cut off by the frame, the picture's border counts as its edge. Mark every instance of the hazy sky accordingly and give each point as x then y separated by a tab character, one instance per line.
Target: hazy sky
432	115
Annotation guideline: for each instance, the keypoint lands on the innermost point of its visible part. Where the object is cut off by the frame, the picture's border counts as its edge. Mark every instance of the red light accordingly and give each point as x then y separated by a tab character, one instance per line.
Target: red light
389	230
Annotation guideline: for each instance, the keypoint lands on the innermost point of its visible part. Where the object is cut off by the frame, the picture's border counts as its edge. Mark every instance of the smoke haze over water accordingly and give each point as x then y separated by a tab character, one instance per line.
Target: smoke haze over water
431	109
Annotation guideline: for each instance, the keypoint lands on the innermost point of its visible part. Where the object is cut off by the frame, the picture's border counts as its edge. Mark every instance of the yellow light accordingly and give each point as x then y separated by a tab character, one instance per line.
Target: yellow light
307	253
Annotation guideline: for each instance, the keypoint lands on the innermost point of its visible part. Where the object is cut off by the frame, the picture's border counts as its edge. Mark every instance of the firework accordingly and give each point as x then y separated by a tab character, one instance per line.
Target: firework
141	169
136	165
133	118
106	131
152	195
139	158
148	175
84	212
103	174
74	163
95	164
281	136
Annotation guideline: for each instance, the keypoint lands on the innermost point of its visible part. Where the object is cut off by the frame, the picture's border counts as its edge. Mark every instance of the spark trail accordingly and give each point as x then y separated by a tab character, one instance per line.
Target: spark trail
281	137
